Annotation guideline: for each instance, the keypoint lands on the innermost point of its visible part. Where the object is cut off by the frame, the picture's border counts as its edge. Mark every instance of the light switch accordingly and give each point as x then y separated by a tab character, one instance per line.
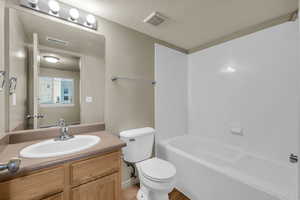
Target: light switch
88	99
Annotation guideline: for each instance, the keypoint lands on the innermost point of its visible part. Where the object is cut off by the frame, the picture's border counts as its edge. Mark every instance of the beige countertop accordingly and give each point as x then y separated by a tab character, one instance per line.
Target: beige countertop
108	143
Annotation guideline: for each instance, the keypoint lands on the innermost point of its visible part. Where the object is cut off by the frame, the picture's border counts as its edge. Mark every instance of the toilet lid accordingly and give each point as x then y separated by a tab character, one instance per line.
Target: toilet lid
158	170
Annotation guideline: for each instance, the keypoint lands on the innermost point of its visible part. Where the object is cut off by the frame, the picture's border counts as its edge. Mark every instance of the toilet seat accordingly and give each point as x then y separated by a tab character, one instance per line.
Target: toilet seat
158	170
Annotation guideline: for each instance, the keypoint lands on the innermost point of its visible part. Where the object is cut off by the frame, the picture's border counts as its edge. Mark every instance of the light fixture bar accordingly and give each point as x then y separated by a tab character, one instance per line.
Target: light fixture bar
62	11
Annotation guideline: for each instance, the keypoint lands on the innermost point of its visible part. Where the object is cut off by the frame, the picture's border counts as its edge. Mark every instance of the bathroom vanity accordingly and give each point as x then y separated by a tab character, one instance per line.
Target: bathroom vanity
91	174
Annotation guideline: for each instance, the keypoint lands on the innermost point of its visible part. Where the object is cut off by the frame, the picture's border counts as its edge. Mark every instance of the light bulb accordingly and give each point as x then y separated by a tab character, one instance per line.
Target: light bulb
74	14
90	19
54	7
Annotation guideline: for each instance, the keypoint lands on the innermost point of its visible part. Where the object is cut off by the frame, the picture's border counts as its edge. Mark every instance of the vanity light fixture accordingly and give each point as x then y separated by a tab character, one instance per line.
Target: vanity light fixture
54	7
62	11
74	14
90	20
33	3
51	59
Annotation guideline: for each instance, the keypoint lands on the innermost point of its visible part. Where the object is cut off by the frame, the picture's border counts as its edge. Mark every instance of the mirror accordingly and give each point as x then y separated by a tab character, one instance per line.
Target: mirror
56	71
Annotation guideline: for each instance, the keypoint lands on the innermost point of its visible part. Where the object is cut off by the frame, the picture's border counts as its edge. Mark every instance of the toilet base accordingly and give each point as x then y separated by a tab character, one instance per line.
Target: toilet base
143	194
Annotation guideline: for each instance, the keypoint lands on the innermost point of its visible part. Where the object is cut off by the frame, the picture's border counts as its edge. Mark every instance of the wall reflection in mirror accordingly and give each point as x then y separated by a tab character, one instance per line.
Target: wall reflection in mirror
56	67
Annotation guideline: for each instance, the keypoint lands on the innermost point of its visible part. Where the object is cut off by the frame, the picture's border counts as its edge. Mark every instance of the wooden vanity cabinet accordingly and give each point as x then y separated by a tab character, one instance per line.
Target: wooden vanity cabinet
92	178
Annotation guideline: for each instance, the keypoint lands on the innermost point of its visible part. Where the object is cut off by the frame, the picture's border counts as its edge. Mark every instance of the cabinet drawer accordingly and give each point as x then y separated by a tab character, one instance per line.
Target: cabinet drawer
35	186
106	188
87	170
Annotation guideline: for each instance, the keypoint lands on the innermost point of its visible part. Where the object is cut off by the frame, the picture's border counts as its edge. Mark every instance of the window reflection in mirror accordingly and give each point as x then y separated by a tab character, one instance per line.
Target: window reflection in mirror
56	91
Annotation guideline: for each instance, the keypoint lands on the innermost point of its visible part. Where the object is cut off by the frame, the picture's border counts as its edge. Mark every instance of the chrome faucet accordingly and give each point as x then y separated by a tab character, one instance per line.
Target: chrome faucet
64	131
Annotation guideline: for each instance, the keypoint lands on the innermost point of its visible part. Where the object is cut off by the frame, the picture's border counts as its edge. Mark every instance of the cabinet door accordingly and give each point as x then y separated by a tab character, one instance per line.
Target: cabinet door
35	186
106	188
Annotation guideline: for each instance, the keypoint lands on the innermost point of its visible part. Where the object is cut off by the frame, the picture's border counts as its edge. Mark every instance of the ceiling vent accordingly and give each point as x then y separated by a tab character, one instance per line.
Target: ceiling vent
155	19
57	41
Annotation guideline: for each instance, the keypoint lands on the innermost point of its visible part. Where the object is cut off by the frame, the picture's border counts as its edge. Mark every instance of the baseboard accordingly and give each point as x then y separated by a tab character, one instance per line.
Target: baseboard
130	182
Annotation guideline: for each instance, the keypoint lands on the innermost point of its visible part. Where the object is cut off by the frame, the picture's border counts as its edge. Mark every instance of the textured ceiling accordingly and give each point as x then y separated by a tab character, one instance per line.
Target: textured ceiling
191	22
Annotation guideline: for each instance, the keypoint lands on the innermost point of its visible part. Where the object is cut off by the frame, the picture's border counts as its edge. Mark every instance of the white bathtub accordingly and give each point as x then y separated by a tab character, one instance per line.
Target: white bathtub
209	170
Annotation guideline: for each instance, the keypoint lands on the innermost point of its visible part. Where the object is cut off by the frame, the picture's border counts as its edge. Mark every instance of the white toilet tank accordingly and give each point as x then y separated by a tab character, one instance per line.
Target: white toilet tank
139	144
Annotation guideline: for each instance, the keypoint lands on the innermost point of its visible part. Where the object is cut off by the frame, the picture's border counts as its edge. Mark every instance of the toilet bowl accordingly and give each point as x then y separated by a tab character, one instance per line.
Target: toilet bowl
157	176
157	179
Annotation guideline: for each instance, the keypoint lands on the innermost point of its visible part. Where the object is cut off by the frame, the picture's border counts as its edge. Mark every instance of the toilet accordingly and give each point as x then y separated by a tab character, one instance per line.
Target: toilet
157	176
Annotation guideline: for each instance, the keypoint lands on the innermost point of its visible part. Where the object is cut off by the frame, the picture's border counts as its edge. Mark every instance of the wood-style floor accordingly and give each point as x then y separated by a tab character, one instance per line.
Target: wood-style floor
130	194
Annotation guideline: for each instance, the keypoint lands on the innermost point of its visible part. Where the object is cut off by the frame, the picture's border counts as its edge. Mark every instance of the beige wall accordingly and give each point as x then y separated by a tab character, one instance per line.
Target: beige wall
17	68
69	113
2	97
128	104
92	85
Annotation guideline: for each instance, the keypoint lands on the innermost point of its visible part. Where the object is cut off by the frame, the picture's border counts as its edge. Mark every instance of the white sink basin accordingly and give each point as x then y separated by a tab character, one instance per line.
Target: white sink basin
52	148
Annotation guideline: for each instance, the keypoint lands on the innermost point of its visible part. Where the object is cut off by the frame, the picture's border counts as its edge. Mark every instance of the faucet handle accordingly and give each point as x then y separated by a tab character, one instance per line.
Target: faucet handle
61	123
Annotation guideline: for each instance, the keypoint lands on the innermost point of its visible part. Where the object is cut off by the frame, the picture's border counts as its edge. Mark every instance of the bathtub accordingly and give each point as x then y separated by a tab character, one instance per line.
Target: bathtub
210	170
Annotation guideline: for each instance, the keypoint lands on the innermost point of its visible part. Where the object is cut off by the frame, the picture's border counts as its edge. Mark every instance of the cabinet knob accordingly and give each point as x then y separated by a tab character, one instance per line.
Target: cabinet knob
12	166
